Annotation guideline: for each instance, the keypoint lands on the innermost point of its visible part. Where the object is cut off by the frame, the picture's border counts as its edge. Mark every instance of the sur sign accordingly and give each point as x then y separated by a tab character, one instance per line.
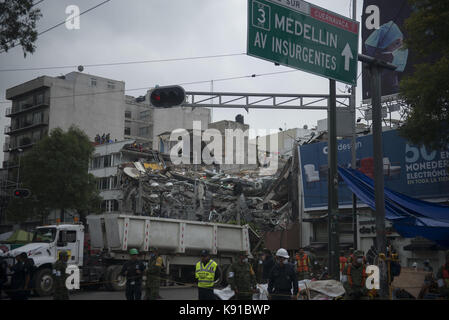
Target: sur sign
300	35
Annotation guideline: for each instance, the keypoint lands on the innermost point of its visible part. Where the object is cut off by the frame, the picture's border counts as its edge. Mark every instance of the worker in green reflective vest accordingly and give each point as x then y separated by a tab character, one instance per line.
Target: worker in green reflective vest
205	274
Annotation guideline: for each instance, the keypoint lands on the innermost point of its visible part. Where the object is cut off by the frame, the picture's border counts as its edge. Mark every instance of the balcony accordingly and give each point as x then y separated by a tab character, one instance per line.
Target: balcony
10	164
26	126
16	110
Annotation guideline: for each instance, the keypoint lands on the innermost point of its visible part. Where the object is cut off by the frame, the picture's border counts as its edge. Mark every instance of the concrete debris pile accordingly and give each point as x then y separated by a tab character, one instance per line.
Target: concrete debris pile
201	193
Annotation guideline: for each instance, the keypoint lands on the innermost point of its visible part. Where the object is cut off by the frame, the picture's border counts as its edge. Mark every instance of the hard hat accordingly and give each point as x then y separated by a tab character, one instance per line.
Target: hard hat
358	253
1	253
415	265
153	249
282	253
133	251
204	253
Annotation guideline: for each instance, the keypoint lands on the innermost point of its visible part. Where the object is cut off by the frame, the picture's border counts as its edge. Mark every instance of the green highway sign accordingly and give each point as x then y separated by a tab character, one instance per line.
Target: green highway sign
300	35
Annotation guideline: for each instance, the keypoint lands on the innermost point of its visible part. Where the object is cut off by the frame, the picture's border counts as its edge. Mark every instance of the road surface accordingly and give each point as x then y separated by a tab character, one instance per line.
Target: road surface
166	293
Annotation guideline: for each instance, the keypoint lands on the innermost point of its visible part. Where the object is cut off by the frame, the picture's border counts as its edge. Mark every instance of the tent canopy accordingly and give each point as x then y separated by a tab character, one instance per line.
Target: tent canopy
20	236
411	217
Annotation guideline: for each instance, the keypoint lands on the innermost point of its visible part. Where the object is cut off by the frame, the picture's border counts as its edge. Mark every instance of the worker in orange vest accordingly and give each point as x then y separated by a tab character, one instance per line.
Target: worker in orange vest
354	278
303	265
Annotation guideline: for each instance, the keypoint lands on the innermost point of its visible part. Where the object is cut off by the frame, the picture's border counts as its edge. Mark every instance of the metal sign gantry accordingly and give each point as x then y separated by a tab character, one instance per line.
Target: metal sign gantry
196	99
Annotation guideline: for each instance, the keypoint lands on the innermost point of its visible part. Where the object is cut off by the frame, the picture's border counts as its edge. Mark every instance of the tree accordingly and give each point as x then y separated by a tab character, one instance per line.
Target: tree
426	90
56	172
18	23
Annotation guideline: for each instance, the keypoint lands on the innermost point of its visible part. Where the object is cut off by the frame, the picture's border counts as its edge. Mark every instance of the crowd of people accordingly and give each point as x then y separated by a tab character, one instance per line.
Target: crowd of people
280	272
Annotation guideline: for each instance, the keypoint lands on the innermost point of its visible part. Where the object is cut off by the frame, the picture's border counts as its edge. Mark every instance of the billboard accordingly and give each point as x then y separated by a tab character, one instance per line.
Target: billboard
409	169
383	37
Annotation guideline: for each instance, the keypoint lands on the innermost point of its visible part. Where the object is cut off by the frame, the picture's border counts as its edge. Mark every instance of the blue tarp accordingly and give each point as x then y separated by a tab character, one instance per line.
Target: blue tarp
411	217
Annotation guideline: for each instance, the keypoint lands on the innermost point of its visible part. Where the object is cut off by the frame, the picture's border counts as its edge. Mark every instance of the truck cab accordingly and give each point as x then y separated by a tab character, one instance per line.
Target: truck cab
47	243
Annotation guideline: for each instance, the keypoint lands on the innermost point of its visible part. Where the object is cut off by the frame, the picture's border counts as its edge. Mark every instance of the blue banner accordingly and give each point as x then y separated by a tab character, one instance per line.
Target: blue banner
409	169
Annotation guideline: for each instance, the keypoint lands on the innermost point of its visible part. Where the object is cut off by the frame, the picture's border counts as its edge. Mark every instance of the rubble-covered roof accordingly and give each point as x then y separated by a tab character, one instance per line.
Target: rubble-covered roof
203	193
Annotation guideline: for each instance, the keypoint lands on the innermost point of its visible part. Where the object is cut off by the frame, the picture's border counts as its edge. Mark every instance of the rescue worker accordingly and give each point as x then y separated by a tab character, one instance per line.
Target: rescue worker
60	276
343	263
354	278
133	271
303	265
153	275
20	278
242	278
205	273
443	278
350	255
282	279
268	264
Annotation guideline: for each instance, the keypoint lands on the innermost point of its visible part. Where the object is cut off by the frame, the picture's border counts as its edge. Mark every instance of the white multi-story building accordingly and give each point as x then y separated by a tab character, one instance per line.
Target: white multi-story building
92	103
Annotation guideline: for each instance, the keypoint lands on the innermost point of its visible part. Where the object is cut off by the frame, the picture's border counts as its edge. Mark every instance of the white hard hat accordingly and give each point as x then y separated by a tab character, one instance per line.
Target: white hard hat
282	253
1	253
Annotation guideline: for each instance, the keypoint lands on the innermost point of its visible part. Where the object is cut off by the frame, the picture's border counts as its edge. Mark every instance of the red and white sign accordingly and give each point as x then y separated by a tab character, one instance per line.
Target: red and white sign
334	20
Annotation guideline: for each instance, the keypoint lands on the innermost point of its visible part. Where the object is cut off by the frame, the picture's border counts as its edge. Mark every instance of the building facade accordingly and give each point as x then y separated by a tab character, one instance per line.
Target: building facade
92	103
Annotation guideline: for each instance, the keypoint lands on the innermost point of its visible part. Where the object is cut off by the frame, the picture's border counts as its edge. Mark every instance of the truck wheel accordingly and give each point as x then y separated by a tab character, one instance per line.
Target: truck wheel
115	281
43	282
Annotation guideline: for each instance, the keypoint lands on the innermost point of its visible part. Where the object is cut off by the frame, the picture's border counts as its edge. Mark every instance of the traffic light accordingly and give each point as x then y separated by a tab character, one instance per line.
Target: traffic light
22	193
167	97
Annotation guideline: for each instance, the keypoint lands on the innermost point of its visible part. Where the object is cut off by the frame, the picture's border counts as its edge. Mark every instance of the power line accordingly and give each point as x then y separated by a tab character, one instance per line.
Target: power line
180	84
123	63
35	4
61	23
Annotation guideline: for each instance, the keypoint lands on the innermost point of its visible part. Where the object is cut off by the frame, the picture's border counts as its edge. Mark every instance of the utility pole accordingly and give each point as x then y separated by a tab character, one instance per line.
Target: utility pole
353	144
333	236
375	67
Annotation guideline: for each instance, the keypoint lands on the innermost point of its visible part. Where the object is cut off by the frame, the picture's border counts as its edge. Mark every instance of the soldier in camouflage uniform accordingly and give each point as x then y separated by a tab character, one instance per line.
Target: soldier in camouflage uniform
354	277
242	278
59	277
153	275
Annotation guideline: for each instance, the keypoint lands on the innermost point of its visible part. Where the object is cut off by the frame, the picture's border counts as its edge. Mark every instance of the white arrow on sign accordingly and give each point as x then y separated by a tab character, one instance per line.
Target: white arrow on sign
348	56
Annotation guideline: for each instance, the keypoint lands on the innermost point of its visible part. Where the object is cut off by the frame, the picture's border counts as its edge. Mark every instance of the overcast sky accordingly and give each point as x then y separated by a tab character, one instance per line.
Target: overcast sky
131	30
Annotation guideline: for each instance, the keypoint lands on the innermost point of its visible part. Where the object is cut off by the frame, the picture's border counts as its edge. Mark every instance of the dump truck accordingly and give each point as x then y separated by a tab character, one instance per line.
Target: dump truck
112	235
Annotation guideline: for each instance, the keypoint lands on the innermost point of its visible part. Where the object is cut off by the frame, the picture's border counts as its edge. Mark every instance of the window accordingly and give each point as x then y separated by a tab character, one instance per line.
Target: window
128	114
44	235
67	236
127	131
103	183
116	159
107	161
144	131
40	98
97	163
93	82
145	115
111	85
38	117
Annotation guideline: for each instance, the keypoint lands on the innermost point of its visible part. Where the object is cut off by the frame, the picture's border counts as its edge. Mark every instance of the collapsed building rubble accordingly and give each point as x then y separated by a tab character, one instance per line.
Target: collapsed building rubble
202	193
